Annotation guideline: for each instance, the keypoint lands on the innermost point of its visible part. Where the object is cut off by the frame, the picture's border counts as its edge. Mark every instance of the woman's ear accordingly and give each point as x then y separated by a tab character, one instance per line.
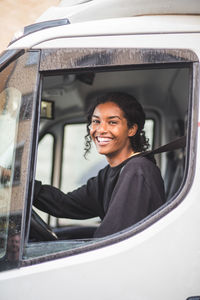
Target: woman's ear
132	131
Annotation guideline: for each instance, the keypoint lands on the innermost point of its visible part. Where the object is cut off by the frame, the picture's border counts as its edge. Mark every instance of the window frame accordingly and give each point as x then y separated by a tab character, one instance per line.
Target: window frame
58	60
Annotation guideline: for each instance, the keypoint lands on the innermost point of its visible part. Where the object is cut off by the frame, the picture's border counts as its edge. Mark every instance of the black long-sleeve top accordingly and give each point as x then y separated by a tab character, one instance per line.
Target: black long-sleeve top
121	196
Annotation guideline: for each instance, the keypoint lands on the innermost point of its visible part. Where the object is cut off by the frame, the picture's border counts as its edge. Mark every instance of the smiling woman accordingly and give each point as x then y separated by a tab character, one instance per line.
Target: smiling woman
129	188
110	133
115	123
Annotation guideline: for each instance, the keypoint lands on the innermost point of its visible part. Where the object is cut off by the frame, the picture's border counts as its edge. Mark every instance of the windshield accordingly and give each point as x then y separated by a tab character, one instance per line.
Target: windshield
10	100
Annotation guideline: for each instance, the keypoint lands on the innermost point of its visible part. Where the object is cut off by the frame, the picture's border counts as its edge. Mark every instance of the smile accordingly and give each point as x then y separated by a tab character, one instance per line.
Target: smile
103	140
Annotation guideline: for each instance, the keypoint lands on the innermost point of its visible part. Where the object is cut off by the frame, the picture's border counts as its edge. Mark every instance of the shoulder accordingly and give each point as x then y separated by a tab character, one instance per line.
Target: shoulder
142	171
141	161
141	165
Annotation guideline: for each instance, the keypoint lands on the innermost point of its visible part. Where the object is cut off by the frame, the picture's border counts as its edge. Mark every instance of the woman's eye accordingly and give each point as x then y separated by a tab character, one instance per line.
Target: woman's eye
112	122
95	121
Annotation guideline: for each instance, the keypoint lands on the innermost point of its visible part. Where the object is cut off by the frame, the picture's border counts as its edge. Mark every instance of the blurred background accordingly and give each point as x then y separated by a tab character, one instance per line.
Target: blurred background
15	14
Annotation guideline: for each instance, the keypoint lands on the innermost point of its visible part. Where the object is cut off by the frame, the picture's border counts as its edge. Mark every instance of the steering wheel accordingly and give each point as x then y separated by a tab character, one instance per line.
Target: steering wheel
39	230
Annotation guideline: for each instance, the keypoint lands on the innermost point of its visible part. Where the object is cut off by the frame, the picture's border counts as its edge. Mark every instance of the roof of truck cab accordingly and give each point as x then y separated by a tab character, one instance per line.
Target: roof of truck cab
117	26
114	17
88	10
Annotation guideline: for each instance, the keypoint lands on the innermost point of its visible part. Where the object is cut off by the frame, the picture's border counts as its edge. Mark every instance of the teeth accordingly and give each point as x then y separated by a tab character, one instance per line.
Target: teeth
100	139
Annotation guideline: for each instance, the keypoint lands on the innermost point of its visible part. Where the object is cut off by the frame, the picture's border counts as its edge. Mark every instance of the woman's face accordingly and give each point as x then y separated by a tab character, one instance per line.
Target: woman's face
110	132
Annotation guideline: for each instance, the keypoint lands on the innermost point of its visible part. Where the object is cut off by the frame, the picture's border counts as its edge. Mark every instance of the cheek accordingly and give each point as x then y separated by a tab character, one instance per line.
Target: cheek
92	134
120	133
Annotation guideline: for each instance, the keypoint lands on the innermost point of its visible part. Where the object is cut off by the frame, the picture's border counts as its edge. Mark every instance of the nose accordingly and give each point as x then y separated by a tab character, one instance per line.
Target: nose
102	127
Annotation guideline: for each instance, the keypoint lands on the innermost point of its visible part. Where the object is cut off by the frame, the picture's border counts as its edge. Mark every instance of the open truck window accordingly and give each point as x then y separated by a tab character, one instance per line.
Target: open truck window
165	92
163	82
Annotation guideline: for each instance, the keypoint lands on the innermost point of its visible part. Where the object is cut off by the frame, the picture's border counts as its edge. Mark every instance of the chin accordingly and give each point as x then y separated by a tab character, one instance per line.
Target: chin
103	151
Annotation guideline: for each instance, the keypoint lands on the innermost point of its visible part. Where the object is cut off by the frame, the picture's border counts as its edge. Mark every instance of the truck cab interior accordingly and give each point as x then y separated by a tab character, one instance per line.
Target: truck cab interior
65	99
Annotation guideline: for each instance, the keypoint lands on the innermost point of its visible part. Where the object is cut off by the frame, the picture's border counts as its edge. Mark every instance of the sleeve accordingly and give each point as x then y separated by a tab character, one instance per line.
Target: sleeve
130	202
79	204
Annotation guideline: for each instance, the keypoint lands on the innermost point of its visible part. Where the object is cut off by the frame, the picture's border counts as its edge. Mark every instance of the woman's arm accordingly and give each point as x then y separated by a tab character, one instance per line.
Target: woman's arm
79	204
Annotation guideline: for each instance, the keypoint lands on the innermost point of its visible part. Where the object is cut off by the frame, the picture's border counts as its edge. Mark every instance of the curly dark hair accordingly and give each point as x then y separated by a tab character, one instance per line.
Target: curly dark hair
133	112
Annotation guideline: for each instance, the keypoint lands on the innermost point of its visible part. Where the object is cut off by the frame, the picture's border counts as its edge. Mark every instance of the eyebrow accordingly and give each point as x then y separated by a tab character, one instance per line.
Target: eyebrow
111	117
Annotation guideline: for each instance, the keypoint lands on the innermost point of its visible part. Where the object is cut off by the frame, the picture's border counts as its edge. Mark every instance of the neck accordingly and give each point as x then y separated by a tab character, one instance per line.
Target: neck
116	159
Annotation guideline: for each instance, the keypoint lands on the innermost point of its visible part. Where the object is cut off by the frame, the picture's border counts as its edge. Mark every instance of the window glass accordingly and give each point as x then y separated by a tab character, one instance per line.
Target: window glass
149	130
45	164
10	100
18	89
45	159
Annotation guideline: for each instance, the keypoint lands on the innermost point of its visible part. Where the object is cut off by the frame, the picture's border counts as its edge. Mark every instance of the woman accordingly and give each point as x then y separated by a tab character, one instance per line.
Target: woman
129	188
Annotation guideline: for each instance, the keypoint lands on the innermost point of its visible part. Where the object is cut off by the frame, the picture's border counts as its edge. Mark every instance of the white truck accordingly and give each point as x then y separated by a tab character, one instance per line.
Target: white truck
49	75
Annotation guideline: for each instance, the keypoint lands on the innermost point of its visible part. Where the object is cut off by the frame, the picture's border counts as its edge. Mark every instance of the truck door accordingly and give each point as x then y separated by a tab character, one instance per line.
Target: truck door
51	108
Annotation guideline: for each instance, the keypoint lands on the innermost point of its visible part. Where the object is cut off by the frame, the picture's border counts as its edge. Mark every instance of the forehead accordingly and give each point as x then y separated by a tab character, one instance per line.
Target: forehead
108	109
